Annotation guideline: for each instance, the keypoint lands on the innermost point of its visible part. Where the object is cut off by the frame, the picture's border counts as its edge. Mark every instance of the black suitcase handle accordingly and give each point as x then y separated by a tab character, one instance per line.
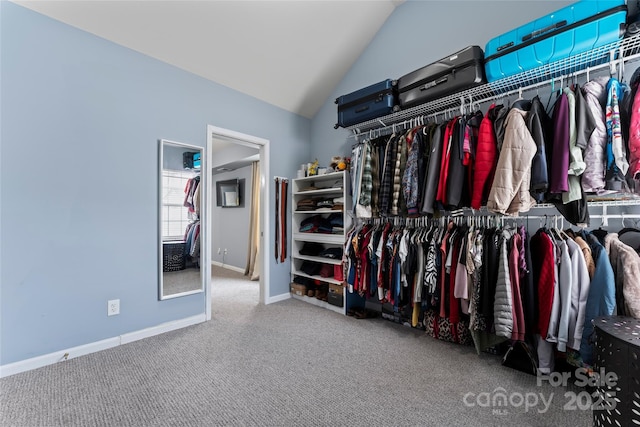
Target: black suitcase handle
435	83
537	33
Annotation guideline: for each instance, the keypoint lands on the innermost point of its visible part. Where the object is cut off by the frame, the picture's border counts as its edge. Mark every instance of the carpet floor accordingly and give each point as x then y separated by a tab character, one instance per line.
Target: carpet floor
284	364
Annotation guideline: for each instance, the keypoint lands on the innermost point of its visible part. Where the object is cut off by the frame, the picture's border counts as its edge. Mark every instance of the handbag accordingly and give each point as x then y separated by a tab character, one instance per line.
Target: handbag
338	274
521	356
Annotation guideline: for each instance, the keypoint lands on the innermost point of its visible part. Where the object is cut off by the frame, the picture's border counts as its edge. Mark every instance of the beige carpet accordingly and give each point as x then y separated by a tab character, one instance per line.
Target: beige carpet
284	364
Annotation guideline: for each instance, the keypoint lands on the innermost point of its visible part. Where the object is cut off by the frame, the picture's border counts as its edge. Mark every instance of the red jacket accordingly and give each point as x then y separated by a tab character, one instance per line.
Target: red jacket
486	160
544	278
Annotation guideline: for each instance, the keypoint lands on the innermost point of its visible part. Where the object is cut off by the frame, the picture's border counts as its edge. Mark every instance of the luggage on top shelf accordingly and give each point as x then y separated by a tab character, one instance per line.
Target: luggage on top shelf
367	103
459	71
572	30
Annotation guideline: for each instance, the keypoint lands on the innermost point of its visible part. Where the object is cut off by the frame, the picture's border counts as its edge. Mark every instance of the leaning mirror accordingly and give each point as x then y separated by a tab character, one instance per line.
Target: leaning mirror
181	198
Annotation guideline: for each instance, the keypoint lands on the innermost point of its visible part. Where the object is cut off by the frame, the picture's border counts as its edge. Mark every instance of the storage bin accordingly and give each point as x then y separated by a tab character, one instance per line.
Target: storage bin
173	256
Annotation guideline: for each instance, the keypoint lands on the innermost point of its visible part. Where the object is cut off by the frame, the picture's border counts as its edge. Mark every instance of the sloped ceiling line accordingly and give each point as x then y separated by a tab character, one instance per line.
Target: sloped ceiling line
291	54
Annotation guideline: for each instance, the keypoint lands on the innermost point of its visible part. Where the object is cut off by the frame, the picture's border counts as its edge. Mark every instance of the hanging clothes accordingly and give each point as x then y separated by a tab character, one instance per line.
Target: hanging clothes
576	164
510	189
281	238
191	190
485	161
617	164
538	125
558	180
593	178
430	186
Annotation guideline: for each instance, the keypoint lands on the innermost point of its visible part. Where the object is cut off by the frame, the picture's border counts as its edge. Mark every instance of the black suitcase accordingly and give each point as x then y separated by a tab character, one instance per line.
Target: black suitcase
460	71
367	103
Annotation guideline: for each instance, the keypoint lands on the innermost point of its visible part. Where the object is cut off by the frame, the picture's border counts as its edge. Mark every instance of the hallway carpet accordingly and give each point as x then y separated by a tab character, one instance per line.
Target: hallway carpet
284	364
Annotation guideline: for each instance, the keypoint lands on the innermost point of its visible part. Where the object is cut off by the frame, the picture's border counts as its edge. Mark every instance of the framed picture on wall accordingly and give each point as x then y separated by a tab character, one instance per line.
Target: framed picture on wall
230	193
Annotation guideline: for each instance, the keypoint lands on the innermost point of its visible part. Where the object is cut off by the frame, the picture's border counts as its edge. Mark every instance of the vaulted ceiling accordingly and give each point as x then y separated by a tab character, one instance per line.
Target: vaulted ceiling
291	54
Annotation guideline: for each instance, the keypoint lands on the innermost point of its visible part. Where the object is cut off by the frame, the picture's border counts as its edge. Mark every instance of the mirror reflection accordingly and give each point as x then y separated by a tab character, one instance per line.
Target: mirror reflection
181	199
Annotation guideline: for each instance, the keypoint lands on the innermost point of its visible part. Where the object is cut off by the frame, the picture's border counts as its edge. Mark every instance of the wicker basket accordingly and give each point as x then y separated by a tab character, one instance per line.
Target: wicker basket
173	256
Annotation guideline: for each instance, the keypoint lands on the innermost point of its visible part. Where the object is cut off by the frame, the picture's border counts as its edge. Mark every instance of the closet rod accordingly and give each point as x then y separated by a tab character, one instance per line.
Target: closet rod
383	130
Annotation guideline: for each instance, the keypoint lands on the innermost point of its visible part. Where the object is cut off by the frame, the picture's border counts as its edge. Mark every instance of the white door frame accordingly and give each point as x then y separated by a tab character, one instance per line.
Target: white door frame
214	132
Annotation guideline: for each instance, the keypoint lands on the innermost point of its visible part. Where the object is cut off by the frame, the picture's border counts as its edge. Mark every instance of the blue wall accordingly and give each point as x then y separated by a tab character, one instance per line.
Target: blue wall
81	119
416	34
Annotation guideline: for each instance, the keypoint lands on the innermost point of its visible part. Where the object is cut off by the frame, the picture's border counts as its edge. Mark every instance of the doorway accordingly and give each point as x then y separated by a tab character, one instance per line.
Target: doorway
241	150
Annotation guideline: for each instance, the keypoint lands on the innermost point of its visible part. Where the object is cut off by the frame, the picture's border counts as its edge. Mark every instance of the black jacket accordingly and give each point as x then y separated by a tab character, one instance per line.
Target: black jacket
433	171
499	114
538	124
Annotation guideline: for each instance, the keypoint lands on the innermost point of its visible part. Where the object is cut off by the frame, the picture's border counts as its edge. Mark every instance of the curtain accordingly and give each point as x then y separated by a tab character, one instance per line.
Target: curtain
253	253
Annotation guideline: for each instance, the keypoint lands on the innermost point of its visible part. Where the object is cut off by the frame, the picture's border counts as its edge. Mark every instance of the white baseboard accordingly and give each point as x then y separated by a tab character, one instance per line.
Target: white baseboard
278	298
228	267
57	356
162	328
82	350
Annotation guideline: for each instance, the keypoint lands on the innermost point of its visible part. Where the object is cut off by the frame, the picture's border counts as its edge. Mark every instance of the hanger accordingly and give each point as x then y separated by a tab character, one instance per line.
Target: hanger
612	64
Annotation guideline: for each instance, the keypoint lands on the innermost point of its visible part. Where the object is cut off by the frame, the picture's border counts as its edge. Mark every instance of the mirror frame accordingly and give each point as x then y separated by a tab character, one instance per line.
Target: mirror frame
204	182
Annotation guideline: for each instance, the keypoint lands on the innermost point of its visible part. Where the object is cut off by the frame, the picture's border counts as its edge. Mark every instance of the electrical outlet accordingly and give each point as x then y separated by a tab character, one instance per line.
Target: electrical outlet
225	251
113	307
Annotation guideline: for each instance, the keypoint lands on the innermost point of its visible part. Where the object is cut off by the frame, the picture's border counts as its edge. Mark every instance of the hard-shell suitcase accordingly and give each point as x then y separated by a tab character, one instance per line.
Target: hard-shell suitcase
575	29
367	103
460	71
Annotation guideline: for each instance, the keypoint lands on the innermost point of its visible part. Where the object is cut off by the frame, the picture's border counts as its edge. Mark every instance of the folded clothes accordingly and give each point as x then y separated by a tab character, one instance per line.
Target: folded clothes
316	224
311	268
336	220
312	249
306	205
328	203
334	253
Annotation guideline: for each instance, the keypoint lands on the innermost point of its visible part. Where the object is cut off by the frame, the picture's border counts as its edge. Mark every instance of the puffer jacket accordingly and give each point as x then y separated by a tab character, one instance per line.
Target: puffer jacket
625	262
595	95
503	302
538	125
486	160
634	138
510	189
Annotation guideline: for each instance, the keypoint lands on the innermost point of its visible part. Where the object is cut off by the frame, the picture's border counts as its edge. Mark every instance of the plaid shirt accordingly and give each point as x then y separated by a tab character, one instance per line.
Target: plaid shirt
367	180
401	160
375	174
387	174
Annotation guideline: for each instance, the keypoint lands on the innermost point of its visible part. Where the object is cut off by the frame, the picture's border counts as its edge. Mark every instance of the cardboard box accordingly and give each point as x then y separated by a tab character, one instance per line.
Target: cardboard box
300	290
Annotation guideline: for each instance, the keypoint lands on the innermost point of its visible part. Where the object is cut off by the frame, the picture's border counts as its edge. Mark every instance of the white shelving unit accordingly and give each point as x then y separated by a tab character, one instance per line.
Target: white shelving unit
319	187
